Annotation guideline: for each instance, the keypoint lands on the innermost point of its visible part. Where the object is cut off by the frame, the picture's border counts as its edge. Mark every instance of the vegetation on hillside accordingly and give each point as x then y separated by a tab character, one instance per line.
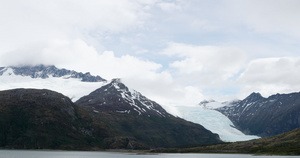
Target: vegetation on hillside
284	144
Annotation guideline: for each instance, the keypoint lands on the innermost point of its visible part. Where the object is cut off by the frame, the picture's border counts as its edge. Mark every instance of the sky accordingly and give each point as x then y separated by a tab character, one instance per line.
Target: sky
176	52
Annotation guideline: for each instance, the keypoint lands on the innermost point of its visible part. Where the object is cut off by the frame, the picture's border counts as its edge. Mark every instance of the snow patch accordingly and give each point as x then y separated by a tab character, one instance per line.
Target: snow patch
96	111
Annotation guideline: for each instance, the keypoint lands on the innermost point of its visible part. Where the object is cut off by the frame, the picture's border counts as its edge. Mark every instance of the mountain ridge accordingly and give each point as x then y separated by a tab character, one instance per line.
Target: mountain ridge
42	71
265	116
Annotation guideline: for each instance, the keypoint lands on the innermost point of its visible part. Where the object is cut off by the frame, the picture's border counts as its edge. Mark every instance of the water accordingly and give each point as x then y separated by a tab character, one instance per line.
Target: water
79	154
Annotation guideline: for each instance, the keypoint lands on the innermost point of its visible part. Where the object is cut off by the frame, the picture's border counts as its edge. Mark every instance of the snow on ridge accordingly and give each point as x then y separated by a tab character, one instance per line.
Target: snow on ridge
7	72
42	71
134	98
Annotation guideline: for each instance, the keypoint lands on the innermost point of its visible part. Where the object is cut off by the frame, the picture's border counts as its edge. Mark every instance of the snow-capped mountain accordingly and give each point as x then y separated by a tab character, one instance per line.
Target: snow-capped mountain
41	71
265	116
116	97
132	114
71	83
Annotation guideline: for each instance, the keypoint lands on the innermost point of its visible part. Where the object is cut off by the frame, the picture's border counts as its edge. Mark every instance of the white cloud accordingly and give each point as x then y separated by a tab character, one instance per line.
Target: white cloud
164	89
215	62
55	52
270	76
268	16
77	55
168	6
27	22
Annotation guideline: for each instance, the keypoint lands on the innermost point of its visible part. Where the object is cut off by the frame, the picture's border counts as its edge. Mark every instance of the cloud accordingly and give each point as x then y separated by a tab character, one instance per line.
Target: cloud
267	16
76	54
214	62
270	76
165	89
27	22
123	38
203	72
54	52
168	6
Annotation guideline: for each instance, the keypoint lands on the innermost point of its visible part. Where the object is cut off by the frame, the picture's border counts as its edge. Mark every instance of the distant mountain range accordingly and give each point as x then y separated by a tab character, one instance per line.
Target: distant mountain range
41	71
69	82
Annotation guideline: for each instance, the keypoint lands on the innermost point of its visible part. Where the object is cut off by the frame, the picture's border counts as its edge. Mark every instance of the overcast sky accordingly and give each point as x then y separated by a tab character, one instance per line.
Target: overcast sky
173	51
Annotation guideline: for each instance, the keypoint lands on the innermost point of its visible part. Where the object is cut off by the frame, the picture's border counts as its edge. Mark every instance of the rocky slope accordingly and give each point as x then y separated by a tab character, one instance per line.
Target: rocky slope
261	116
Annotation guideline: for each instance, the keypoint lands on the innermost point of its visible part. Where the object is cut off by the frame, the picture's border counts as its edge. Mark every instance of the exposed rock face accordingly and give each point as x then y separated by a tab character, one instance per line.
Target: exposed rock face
261	116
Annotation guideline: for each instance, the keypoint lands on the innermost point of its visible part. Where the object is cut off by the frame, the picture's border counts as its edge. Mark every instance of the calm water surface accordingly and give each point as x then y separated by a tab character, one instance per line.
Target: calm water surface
79	154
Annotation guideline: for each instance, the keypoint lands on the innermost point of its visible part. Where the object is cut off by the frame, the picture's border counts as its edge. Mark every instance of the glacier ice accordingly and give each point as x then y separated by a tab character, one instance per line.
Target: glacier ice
211	120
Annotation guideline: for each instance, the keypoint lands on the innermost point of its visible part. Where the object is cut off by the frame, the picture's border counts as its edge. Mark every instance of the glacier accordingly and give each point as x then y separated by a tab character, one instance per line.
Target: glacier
211	120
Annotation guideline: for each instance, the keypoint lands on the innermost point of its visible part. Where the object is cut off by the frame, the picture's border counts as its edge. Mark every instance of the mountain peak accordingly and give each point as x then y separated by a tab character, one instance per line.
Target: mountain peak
116	97
116	80
254	96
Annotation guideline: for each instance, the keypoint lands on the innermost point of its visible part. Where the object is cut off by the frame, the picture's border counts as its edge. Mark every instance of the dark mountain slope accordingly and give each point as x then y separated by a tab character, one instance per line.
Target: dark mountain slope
132	115
43	119
261	116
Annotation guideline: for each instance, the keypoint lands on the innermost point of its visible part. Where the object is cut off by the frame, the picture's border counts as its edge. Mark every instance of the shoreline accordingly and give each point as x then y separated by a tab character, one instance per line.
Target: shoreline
142	152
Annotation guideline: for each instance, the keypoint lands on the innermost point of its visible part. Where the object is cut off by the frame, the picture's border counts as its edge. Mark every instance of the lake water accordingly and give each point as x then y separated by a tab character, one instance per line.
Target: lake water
79	154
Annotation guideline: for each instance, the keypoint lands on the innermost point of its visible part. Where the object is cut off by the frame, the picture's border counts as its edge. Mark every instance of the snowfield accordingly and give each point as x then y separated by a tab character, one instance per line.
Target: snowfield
71	87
